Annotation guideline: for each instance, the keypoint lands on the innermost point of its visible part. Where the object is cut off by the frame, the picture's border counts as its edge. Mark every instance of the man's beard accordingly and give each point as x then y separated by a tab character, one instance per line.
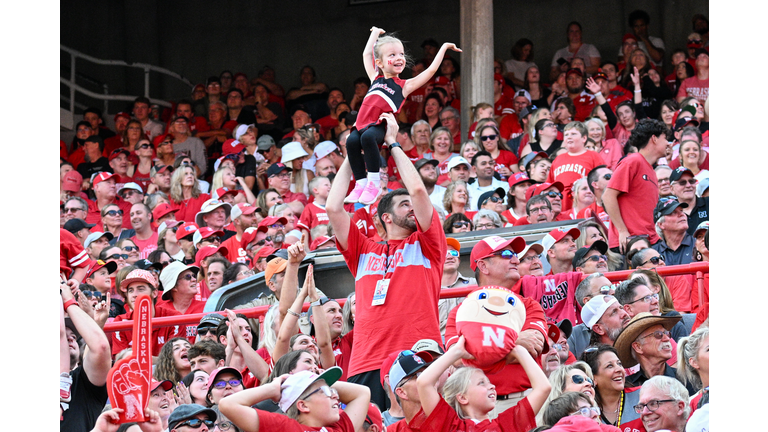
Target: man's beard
404	222
278	238
575	90
613	334
428	182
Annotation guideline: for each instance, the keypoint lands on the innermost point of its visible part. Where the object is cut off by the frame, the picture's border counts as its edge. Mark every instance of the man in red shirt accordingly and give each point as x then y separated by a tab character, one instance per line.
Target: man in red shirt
121	124
633	192
538	210
495	262
279	178
242	218
597	179
582	101
106	193
571	166
553	192
562	249
394	281
146	237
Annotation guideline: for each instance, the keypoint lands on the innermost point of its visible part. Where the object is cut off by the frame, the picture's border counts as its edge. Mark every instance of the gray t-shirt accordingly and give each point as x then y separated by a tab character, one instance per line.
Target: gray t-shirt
196	149
387	419
585	52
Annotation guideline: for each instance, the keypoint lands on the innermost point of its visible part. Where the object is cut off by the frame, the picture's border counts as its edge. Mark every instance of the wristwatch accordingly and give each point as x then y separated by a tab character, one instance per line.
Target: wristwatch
315	303
395	144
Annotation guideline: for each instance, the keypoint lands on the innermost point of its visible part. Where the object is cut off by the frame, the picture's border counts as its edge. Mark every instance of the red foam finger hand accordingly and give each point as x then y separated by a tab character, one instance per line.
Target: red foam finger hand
128	380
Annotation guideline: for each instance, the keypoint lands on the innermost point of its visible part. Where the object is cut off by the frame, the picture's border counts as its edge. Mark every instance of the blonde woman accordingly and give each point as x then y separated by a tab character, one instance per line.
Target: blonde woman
456	198
185	194
294	156
225	177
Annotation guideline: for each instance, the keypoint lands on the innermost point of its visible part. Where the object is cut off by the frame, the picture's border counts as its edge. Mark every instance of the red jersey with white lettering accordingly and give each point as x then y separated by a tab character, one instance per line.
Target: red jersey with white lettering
413	268
584	104
556	294
313	215
249	379
71	253
510	127
363	221
519	418
635	179
147	246
123	339
694	87
385	95
503	106
512	377
235	251
567	169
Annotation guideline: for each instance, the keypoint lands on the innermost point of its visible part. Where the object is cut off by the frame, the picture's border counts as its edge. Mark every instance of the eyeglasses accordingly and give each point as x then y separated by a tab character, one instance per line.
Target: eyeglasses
646	299
212	239
145	146
494	199
587	412
72	209
114	213
451	252
608	176
663	180
605	289
117	256
579	379
205	330
546	125
187	277
485	226
131	248
277	226
542	209
284	174
460	224
654	260
691	182
227	425
652	405
327	391
408	378
196	423
594	258
658	334
530	258
489	137
246	273
553	194
451	118
223	383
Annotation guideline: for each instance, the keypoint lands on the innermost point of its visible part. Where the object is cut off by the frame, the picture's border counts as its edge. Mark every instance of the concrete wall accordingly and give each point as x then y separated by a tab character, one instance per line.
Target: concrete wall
198	39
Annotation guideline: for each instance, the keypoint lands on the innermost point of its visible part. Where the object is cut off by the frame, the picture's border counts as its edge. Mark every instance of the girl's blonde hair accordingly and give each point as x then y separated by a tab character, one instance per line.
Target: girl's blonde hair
476	109
388	39
456	384
218	181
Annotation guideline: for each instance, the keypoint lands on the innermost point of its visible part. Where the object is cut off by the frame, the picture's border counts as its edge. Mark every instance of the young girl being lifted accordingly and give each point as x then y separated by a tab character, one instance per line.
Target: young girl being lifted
384	60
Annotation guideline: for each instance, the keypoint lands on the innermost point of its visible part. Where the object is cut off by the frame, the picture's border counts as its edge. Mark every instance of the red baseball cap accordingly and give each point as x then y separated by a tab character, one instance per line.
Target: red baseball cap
153	385
265	252
122	114
628	36
98	265
374	416
498	78
487	246
242	209
198	87
600	74
117	152
267	221
248	236
185	230
207	251
162	209
559	233
537	189
316	243
553	331
517	178
206	232
72	182
220	192
102	176
232	146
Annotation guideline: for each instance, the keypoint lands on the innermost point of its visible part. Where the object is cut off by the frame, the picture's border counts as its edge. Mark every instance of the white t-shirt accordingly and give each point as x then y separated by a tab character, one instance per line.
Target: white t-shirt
475	190
585	52
657	42
518	68
436	197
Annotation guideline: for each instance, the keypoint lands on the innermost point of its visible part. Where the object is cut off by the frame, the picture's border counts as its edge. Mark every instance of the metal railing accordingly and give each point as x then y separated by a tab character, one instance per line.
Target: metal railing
258	312
147	68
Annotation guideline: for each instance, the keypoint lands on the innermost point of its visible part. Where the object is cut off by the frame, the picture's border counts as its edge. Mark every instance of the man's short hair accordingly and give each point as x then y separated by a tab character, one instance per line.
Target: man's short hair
313	183
593	176
579	126
420	122
691	130
97	139
82	202
671	387
645	129
405	128
146	209
207	348
183	102
535	200
451	110
386	204
221	260
92	110
625	292
478	154
141	99
585	287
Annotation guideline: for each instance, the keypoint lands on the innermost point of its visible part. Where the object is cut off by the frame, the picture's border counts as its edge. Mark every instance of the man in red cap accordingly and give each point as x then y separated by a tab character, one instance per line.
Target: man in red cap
118	161
560	248
139	282
495	261
554	194
242	218
274	228
394	280
214	214
633	192
185	238
582	100
141	222
106	193
163	212
121	124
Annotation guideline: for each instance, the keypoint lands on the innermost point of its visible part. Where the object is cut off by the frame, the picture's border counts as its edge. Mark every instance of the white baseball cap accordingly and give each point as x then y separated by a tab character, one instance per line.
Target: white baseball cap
298	383
324	149
456	161
594	309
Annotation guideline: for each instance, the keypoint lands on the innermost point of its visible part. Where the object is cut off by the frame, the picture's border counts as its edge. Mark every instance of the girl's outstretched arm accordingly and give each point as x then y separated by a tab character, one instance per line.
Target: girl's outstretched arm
426	383
370	66
419	80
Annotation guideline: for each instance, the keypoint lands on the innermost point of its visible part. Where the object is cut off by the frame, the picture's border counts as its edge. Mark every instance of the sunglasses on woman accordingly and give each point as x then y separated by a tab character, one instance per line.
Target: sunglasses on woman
114	213
654	260
489	137
460	224
493	199
579	379
117	256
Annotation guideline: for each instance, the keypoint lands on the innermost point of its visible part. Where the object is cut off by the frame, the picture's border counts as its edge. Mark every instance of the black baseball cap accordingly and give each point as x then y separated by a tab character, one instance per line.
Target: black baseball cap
75	225
277	168
598	245
666	206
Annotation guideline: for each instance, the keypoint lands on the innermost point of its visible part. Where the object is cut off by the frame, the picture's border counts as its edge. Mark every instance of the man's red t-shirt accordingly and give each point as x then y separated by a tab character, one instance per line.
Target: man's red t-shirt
363	221
414	268
280	422
567	169
503	106
694	87
327	123
72	255
235	251
510	127
584	104
635	180
147	246
123	339
556	294
342	351
519	418
512	377
408	426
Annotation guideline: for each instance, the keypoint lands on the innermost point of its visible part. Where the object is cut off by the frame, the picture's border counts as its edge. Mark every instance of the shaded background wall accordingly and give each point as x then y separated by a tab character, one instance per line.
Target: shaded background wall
197	38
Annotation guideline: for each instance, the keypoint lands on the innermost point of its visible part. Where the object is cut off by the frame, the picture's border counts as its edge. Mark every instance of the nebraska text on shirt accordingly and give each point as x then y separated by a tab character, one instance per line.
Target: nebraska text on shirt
577	168
376	264
382	86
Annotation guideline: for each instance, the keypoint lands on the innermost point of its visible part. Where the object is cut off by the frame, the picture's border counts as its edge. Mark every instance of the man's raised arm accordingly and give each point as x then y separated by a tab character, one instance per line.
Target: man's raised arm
334	205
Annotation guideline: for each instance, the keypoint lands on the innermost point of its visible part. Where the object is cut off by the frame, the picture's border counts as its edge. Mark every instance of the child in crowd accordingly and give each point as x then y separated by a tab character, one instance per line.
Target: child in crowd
469	396
314	213
384	60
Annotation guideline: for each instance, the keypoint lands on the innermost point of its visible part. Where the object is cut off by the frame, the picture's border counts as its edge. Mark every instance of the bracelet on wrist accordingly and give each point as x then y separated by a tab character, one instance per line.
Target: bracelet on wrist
638	91
294	313
69	303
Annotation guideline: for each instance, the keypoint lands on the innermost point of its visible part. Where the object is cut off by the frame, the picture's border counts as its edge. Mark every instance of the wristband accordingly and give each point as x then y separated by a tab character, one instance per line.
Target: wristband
638	91
293	313
395	144
69	303
598	94
317	303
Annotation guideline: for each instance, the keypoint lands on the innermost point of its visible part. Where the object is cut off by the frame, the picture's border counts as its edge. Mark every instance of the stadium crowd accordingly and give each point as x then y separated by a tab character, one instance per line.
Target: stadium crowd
244	177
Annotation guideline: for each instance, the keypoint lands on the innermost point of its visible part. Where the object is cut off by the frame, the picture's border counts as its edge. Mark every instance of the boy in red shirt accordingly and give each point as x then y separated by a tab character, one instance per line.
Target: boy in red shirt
571	166
314	213
310	403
